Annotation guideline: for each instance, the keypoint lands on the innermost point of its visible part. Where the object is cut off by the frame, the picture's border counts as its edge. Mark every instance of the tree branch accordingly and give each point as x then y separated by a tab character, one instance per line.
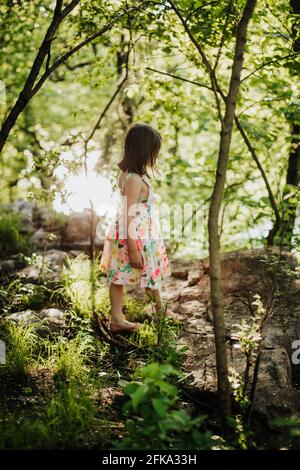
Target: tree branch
180	78
273	61
203	56
243	134
70	7
58	7
42	53
199	8
76	48
228	11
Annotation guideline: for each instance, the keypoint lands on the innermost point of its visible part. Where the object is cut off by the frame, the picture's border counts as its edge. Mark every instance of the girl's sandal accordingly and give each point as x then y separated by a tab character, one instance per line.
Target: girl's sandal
126	326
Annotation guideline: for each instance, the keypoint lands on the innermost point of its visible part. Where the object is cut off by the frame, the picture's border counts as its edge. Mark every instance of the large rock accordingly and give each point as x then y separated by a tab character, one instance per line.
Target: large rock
77	231
49	267
26	210
40	222
274	392
7	266
48	229
47	320
42	238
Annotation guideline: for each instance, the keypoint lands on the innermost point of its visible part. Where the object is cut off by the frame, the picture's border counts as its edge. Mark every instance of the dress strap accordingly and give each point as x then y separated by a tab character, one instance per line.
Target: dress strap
144	179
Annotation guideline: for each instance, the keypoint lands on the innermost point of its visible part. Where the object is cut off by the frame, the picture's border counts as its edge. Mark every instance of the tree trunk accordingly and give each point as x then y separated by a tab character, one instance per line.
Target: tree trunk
43	52
281	234
214	210
34	82
127	108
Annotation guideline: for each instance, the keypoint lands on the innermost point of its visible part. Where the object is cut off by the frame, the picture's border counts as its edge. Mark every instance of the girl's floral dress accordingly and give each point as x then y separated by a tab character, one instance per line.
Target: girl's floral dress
115	260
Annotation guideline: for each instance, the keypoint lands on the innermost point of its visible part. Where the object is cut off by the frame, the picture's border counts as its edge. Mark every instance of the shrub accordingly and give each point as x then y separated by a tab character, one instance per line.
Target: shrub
153	422
12	241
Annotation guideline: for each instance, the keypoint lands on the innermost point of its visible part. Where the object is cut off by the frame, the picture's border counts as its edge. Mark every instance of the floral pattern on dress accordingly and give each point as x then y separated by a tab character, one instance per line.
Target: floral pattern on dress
115	259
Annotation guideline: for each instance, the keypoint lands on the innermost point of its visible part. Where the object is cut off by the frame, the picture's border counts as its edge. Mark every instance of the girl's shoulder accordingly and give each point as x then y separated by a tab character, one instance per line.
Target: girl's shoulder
125	176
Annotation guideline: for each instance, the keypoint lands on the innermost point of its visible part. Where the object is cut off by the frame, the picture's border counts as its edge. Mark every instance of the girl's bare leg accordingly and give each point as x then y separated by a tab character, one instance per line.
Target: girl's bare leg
116	300
116	292
159	306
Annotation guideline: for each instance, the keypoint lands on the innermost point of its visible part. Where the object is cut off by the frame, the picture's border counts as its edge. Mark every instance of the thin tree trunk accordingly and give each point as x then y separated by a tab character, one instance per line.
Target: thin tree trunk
43	52
34	82
214	210
282	233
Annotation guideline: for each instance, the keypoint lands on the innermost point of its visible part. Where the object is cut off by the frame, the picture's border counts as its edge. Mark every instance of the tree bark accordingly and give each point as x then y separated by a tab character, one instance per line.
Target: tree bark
214	210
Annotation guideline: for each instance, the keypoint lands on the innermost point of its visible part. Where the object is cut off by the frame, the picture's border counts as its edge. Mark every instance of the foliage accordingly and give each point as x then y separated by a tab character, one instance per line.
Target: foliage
160	339
12	241
153	421
49	135
67	416
243	435
249	338
168	87
22	342
292	424
20	295
280	271
248	335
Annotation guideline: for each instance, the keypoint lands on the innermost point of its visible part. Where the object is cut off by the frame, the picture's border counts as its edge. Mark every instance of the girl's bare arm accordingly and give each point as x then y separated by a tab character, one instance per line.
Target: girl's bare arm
132	190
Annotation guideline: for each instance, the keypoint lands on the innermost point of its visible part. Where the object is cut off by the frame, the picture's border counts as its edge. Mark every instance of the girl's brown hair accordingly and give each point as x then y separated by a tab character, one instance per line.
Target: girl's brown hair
141	145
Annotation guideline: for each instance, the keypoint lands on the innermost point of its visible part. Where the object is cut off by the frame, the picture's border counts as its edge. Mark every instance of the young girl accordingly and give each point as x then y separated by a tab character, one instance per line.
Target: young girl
134	252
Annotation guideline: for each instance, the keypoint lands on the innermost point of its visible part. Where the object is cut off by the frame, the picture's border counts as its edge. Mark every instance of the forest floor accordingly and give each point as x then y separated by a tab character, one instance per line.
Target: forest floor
63	383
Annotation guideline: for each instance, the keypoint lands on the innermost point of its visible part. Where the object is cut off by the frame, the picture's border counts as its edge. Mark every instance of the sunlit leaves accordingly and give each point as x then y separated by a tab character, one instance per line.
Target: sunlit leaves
74	97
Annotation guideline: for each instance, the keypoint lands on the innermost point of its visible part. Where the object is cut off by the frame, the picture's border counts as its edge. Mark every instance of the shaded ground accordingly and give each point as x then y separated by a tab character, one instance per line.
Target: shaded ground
244	274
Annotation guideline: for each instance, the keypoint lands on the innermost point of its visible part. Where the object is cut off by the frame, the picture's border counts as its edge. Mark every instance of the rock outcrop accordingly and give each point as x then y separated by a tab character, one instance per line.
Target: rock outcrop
47	320
244	274
48	229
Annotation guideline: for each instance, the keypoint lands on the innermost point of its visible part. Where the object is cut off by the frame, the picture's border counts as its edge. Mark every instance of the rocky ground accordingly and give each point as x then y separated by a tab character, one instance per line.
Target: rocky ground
244	275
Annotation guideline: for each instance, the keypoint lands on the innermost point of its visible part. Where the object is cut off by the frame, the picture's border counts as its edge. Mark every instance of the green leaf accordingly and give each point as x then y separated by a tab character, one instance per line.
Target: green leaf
159	407
139	395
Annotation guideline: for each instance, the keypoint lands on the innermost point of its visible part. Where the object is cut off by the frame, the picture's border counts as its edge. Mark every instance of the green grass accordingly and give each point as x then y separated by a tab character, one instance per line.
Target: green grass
76	290
21	296
21	347
62	424
69	359
69	416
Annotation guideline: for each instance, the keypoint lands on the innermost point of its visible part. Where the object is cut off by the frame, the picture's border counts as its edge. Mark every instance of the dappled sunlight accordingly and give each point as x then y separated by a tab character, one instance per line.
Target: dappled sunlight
81	187
77	286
